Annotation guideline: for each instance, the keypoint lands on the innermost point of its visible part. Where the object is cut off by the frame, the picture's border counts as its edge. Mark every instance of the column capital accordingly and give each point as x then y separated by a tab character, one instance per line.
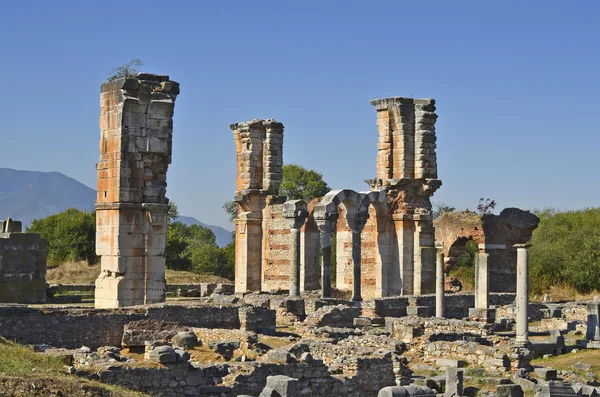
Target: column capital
522	246
295	212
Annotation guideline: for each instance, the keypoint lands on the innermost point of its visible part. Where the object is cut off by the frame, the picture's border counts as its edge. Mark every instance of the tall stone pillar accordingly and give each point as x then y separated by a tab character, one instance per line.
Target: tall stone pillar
439	281
407	171
424	255
522	337
259	154
326	224
356	224
482	280
295	211
136	129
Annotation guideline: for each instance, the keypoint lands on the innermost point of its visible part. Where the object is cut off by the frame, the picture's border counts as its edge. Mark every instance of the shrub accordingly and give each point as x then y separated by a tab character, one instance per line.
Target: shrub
71	236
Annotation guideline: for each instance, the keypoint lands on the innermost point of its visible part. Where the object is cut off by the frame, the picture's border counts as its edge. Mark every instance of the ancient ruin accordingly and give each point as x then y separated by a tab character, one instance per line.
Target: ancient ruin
385	237
22	265
136	129
495	235
385	326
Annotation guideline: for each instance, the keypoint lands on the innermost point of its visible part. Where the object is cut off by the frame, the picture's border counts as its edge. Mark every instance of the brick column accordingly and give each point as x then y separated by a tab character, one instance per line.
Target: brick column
136	124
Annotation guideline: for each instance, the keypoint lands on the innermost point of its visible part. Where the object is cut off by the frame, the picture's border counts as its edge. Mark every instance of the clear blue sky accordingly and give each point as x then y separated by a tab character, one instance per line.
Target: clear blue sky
516	83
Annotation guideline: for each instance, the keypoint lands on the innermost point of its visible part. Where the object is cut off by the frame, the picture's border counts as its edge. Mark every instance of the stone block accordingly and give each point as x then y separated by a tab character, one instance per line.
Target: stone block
284	386
450	363
454	382
546	373
420	311
406	391
509	391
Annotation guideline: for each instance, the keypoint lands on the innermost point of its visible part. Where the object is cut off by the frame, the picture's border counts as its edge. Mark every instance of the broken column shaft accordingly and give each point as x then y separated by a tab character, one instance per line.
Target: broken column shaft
522	337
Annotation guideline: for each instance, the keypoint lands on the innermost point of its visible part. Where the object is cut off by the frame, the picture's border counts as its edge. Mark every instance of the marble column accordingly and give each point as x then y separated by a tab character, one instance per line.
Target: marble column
439	281
327	226
356	224
295	212
522	294
482	280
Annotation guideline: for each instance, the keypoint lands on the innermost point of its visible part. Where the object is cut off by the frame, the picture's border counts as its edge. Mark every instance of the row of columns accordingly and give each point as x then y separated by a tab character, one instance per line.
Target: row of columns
295	211
482	288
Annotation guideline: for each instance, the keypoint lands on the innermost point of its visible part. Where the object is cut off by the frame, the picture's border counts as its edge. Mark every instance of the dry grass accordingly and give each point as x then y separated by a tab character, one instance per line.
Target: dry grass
24	373
564	292
73	273
565	361
82	273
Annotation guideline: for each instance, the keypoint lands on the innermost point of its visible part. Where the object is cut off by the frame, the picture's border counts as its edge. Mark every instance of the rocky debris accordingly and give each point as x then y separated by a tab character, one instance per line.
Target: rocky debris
185	340
406	391
362	322
136	333
452	284
167	355
340	316
579	366
224	348
279	356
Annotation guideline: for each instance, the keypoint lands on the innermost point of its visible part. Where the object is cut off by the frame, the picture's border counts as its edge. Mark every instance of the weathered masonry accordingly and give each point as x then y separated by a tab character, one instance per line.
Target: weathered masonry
136	129
22	265
384	237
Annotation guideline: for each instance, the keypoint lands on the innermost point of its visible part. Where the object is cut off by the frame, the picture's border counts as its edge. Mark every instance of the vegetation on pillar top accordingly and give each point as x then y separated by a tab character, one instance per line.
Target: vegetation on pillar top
299	183
130	69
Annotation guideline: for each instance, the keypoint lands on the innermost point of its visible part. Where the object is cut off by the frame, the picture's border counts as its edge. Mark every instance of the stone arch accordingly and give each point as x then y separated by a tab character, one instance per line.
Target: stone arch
342	207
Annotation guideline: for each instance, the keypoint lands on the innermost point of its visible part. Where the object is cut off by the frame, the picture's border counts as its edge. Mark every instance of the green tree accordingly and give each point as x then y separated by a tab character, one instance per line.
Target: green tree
176	250
71	236
172	212
566	250
231	208
301	183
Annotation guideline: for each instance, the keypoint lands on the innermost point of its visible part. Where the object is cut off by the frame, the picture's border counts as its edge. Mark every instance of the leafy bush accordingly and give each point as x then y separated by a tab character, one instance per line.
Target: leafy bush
300	183
71	236
566	250
193	248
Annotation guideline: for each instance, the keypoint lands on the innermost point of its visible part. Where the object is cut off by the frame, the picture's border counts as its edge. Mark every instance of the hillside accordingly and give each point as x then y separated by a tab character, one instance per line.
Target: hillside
222	236
29	195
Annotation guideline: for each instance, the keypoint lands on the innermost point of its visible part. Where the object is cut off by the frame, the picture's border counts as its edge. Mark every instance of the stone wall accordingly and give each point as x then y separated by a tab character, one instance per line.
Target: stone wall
73	327
22	265
136	130
369	376
456	305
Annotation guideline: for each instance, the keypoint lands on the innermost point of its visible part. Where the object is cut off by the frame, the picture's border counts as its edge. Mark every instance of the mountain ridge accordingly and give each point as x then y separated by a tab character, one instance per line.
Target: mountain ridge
28	195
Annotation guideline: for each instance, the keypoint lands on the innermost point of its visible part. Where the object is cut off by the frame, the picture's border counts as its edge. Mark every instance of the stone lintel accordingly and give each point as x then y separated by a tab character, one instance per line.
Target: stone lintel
491	247
394	102
403	217
522	245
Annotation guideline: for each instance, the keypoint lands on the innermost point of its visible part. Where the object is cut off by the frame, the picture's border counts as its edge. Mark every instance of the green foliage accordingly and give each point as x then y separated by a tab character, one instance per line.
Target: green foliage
172	213
193	248
130	69
464	269
231	208
71	236
300	183
566	250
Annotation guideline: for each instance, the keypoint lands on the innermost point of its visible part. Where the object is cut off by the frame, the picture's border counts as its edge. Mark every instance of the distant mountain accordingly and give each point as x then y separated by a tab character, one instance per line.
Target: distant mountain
29	195
222	236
